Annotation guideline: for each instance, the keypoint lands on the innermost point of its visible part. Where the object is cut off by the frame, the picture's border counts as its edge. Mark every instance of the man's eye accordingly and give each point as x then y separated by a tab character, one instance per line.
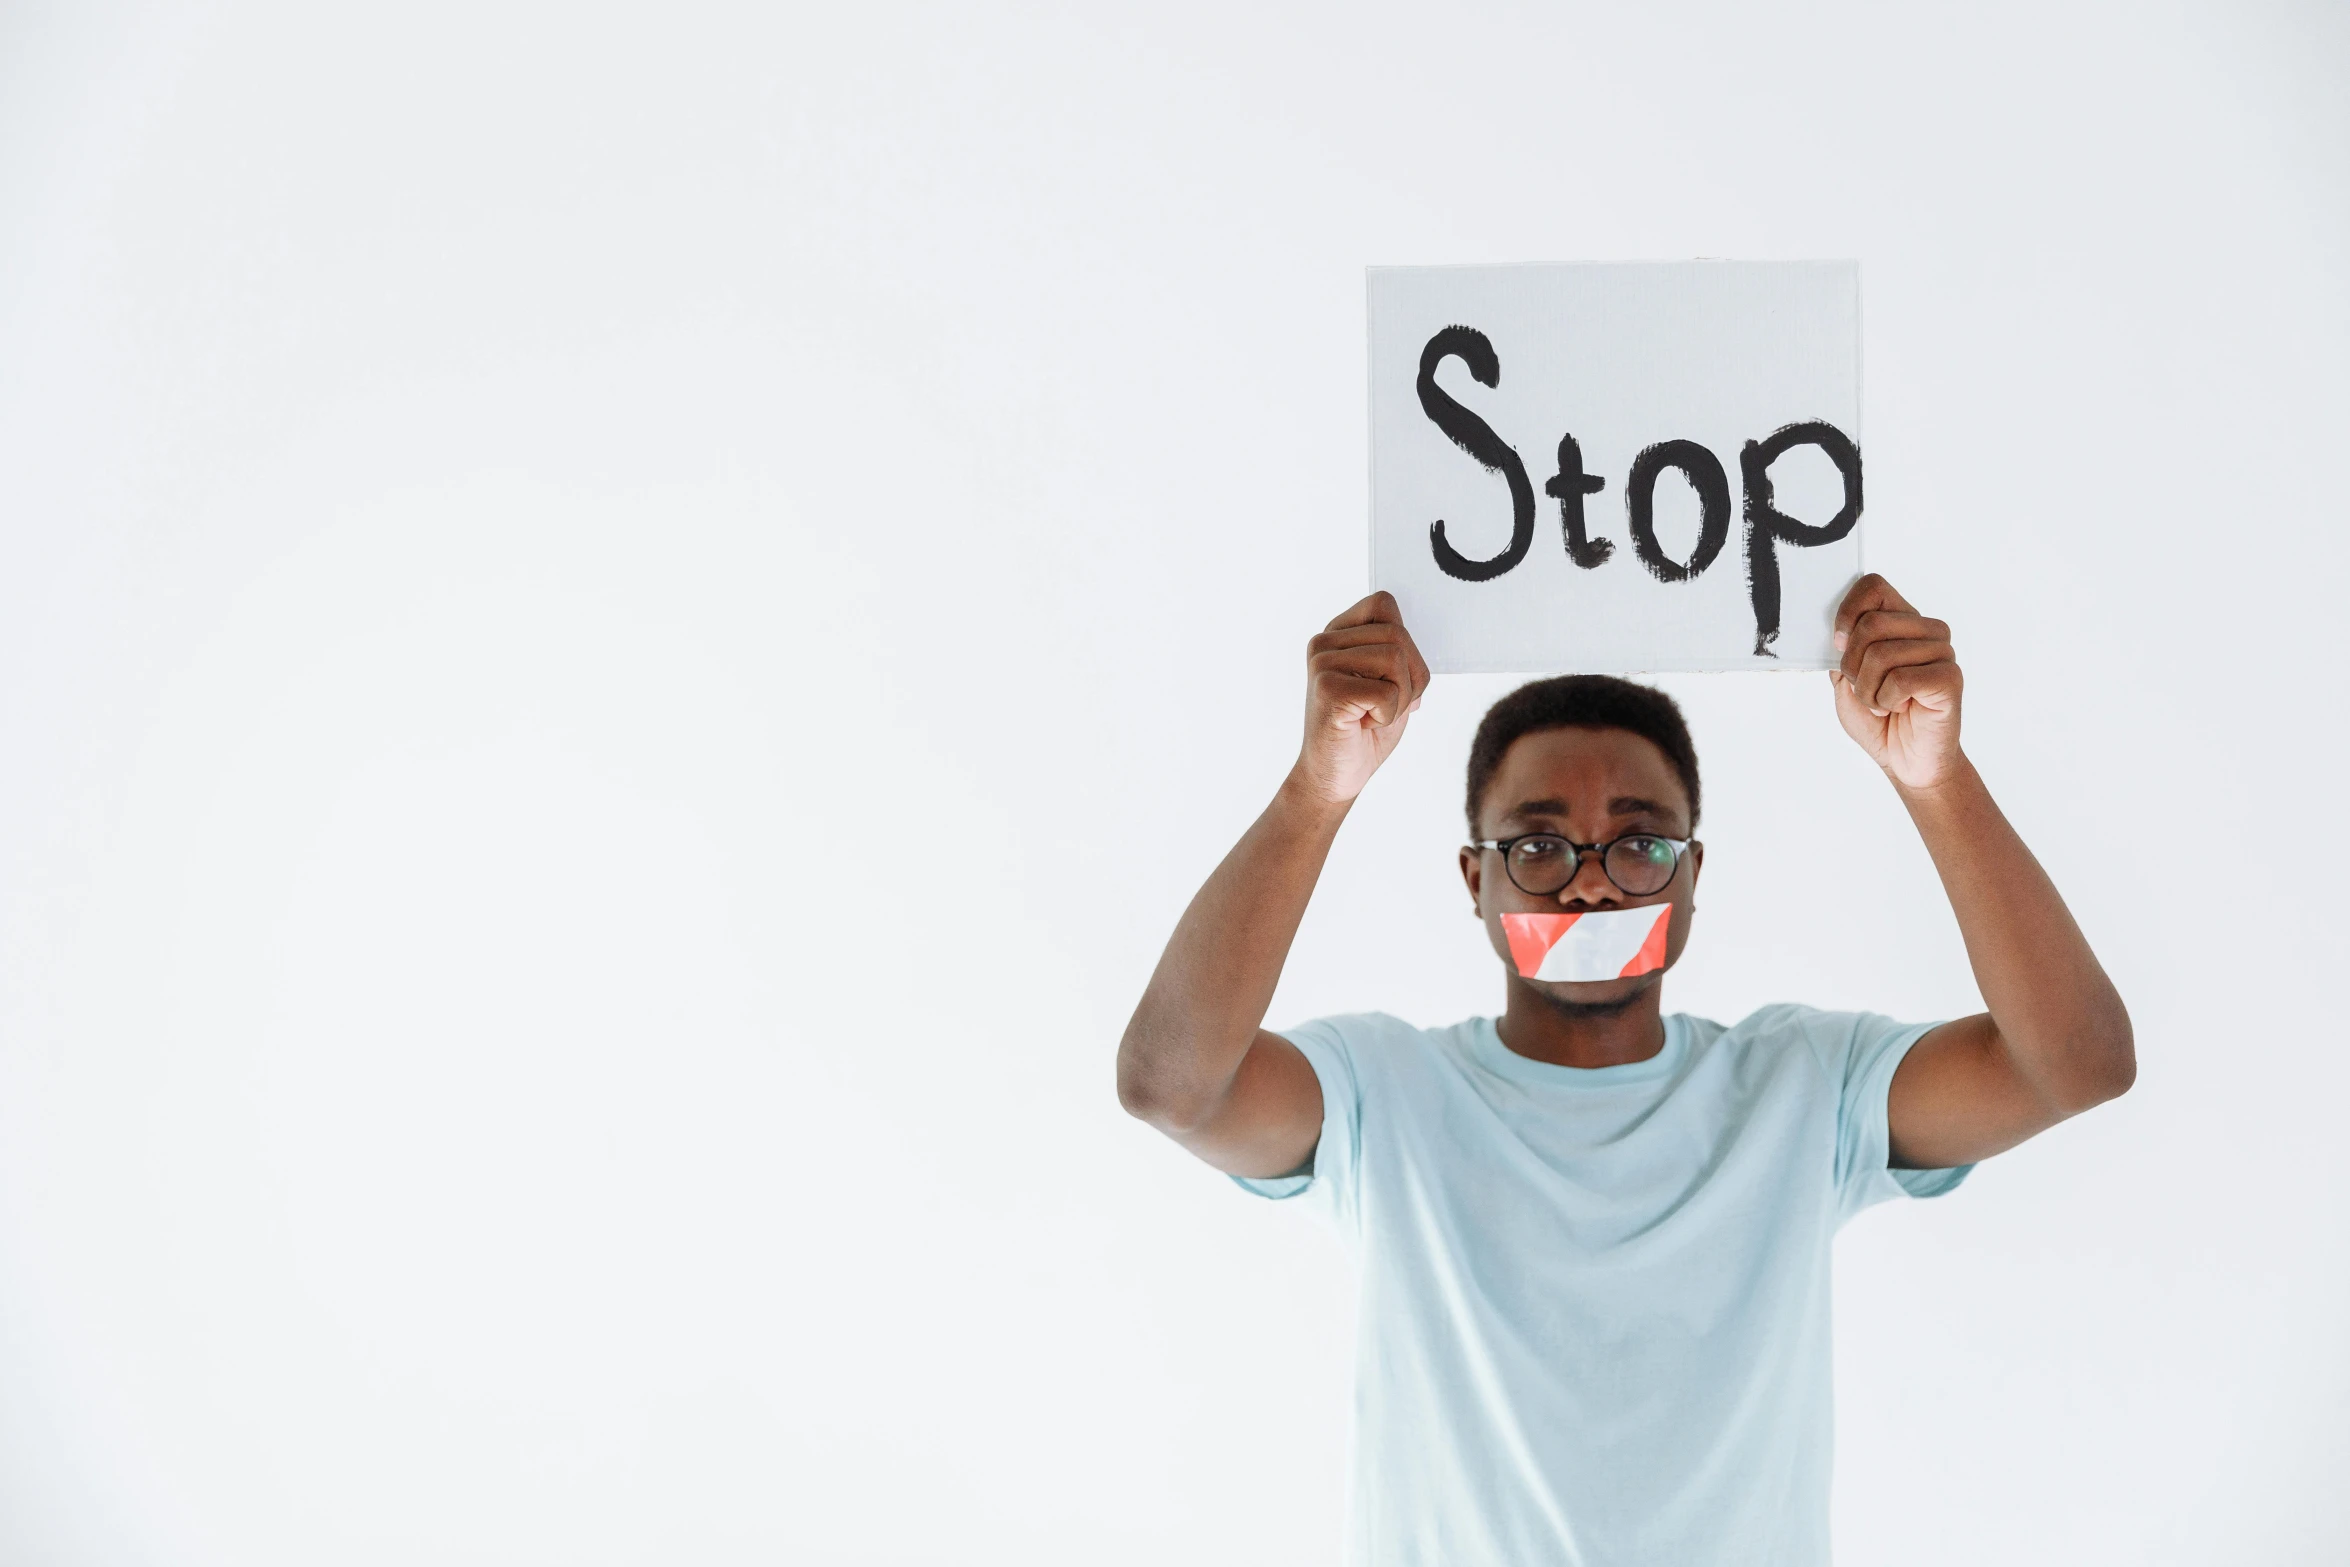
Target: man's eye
1649	848
1541	849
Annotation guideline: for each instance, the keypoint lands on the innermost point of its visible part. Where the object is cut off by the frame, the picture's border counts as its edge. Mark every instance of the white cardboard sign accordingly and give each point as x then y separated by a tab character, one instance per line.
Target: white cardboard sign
1617	466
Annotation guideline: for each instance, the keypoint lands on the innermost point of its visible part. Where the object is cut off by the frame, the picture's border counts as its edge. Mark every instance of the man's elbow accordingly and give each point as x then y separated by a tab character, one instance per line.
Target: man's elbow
2114	1051
1136	1094
1139	1091
1150	1097
2124	1071
1171	1111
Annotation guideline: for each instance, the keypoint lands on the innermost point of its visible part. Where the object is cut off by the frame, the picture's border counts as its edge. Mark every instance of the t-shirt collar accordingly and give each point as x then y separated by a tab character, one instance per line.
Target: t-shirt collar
1486	1046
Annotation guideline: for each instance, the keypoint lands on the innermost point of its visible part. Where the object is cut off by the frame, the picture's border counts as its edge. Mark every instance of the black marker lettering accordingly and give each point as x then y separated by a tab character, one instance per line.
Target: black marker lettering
1767	526
1705	475
1570	485
1474	436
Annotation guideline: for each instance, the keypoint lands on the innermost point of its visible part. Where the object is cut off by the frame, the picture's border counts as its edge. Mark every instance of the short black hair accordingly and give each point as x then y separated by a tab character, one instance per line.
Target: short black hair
1581	702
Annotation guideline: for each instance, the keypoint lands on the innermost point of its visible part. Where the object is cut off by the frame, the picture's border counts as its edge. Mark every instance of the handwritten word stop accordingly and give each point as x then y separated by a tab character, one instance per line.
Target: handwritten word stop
1668	365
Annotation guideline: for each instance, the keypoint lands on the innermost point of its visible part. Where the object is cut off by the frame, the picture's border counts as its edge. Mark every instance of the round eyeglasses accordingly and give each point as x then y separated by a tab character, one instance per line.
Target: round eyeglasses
1542	863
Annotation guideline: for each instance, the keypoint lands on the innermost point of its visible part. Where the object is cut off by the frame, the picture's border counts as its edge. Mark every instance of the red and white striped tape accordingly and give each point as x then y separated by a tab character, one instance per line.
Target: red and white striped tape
1599	944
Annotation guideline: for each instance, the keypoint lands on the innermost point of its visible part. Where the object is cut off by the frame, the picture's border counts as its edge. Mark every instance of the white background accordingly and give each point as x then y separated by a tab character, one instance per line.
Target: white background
621	632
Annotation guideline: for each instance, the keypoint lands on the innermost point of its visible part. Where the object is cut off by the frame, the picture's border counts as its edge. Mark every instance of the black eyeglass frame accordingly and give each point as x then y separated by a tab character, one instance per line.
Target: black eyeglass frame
1680	848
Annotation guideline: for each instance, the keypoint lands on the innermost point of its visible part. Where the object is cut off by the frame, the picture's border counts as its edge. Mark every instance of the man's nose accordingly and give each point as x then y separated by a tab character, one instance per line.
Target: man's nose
1589	884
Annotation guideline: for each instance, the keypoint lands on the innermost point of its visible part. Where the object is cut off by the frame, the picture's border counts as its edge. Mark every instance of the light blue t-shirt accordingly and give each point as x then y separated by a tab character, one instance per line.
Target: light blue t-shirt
1593	1313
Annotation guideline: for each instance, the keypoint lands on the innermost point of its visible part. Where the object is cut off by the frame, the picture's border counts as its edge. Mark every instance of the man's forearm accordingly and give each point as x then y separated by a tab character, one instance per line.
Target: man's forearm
1208	996
2058	1016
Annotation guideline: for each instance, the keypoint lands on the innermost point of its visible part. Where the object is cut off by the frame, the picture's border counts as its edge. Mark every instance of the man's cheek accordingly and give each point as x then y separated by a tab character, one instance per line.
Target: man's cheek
1682	915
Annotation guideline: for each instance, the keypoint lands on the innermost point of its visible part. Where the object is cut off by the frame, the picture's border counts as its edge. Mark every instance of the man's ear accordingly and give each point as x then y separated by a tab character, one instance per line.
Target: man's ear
1696	862
1473	872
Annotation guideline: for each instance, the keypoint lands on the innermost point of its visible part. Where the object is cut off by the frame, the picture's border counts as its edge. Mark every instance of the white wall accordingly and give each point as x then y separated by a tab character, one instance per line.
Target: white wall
622	630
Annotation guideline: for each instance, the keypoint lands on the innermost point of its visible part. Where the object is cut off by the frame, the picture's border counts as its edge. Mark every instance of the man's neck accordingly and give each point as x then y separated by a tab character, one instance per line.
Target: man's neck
1540	1029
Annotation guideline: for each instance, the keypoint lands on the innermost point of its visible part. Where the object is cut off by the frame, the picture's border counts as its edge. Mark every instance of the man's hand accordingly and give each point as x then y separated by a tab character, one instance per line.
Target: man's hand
1898	687
1363	679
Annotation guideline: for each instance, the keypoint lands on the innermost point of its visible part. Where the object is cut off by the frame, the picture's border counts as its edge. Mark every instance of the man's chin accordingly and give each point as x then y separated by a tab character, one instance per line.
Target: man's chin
1594	998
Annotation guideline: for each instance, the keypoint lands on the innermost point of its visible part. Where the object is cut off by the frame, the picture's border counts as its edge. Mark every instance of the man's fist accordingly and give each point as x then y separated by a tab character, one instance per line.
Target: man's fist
1897	688
1363	678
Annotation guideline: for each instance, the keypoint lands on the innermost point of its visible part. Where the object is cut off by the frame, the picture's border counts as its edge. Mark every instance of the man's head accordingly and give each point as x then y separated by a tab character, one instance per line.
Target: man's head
1589	758
1581	702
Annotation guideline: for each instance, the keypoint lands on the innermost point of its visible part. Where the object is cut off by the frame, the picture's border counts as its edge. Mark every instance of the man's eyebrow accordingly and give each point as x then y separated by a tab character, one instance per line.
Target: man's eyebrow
1634	805
1537	808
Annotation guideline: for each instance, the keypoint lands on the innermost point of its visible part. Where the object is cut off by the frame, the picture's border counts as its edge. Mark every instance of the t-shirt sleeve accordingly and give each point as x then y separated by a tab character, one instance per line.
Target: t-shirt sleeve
1329	1178
1861	1051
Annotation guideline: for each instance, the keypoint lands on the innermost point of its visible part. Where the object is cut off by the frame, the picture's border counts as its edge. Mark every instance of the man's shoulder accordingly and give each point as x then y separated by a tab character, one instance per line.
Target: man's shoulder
1369	1026
1832	1036
1380	1039
1787	1017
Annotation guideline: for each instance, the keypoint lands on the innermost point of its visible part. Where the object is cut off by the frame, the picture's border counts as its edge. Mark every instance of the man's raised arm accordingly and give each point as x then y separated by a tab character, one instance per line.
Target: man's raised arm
2056	1039
1196	1062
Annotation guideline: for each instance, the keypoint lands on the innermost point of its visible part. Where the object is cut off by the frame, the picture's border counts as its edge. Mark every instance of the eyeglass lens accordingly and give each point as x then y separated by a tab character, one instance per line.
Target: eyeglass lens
1639	864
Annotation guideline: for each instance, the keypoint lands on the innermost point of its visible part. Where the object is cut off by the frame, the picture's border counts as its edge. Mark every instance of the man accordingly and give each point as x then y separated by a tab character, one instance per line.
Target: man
1594	1238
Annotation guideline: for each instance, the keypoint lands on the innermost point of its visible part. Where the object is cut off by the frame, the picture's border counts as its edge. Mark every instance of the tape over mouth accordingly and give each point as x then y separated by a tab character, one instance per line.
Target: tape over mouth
1592	945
